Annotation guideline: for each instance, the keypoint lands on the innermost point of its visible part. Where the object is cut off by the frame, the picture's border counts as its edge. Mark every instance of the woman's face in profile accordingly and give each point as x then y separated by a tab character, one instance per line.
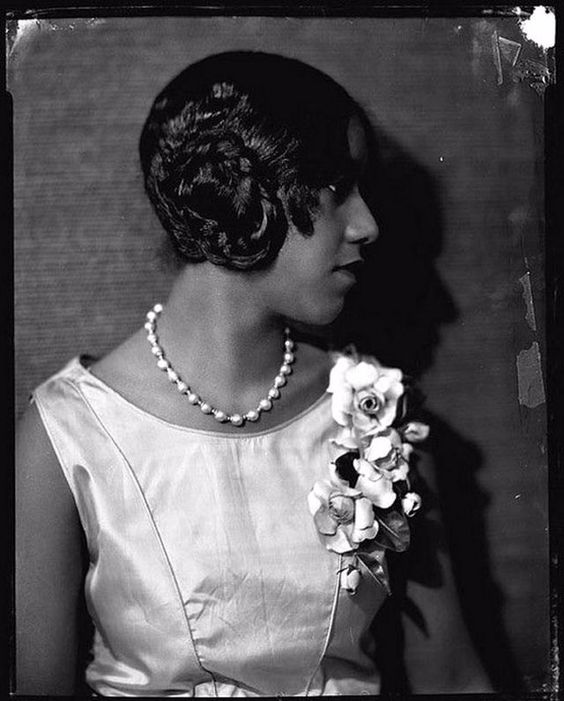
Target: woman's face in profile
312	274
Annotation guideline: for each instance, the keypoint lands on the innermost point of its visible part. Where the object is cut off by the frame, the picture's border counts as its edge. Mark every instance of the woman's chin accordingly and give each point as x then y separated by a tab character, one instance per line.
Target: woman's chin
321	316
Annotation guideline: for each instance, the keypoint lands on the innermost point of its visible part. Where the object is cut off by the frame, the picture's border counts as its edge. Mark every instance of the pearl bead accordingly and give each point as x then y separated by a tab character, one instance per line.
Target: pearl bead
193	398
149	326
236	419
157	350
289	345
265	404
252	415
172	376
151	316
273	393
220	416
288	357
158	308
181	387
285	369
151	338
279	381
205	408
163	364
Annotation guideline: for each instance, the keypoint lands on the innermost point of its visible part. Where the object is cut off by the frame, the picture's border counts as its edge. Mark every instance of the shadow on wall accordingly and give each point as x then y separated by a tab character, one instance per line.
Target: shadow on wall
404	331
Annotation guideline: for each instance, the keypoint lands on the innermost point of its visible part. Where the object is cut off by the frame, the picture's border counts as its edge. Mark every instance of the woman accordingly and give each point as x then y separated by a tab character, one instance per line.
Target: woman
227	554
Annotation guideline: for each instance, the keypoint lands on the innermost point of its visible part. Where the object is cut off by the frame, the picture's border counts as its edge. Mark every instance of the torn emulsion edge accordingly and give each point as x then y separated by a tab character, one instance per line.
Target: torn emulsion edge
529	60
530	318
505	49
540	27
18	34
529	377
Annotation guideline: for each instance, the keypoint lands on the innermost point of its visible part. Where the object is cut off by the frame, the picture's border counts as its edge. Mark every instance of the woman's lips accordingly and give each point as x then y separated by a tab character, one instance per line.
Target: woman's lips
351	269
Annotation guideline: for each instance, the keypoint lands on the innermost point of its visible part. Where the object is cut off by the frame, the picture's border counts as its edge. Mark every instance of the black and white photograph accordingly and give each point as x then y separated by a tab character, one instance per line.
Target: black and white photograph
280	353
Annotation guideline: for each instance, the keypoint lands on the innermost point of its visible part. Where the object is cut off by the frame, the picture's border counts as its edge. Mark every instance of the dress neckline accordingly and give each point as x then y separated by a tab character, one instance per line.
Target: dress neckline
79	361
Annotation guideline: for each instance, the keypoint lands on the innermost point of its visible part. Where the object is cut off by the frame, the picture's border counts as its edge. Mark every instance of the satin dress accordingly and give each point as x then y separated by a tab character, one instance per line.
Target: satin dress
207	575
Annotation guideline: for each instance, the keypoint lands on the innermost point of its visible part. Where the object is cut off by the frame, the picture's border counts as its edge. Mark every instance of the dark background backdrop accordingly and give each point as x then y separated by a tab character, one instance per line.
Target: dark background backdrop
458	301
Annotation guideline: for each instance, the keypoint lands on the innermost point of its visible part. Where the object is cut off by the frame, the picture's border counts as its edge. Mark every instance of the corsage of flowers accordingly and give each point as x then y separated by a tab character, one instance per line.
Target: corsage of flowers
361	508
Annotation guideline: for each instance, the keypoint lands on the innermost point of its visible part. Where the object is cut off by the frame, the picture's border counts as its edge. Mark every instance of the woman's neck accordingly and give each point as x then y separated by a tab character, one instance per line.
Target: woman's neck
222	340
219	336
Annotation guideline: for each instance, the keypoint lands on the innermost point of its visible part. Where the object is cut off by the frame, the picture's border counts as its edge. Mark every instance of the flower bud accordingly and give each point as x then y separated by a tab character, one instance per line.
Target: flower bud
411	503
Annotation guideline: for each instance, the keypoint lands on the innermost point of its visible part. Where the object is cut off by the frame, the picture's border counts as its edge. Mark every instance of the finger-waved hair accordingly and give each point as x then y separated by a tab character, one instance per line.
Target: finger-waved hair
239	145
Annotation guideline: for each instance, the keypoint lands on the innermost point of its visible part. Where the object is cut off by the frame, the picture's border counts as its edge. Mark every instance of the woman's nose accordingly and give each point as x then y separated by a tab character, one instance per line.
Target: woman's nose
361	226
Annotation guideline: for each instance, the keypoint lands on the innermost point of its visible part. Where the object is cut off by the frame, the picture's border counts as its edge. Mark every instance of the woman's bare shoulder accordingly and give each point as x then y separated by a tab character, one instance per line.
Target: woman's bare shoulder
124	363
126	366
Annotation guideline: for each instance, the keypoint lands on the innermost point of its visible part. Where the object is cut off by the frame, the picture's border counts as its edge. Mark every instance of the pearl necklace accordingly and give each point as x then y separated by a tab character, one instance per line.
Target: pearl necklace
205	407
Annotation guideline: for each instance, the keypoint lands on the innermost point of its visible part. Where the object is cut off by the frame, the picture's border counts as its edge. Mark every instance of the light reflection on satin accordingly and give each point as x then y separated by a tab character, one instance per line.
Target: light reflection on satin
207	574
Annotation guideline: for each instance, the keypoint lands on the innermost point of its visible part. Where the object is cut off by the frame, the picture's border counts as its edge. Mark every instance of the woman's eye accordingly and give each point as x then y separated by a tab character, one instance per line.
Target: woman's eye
341	190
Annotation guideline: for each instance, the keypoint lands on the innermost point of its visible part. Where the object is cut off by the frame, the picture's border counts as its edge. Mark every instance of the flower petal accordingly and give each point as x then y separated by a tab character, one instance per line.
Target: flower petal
380	447
365	526
383	384
350	579
322	490
384	465
338	372
359	536
395	437
415	431
395	374
388	414
342	405
406	450
380	492
396	390
364	424
314	503
375	430
340	542
345	438
363	513
325	524
366	470
400	472
361	375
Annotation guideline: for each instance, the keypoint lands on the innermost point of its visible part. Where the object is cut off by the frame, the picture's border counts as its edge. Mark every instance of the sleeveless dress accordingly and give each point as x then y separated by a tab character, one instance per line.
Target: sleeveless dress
207	575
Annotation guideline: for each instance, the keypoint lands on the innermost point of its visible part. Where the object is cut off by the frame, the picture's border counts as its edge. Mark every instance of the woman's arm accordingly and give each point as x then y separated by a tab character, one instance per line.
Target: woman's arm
48	566
443	659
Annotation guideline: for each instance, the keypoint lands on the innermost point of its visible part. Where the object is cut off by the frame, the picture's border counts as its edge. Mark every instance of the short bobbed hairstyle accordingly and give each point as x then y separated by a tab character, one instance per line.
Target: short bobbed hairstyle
239	145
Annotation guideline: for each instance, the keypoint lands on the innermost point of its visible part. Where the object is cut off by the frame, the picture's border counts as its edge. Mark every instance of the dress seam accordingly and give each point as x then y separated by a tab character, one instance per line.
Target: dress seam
329	628
155	529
